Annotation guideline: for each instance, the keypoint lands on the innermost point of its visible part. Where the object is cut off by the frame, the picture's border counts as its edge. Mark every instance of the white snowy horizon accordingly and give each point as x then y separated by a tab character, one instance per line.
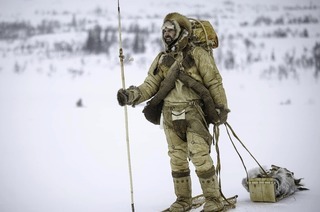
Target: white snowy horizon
57	157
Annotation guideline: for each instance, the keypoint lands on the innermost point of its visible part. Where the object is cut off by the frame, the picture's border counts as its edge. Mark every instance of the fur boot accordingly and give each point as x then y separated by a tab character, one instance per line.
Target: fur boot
182	188
211	191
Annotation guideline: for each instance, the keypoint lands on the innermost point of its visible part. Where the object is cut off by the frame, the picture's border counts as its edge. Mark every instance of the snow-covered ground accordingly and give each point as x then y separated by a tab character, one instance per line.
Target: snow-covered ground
57	157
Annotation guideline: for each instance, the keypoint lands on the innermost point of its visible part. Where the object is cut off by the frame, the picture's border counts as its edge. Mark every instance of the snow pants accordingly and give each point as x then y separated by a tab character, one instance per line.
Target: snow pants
191	140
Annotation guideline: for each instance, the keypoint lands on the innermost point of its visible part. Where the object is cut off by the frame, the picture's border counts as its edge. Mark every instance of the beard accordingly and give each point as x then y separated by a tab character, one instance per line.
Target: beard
168	39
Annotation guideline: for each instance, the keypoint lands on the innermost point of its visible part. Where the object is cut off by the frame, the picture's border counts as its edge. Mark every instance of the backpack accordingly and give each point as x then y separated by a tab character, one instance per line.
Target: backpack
203	34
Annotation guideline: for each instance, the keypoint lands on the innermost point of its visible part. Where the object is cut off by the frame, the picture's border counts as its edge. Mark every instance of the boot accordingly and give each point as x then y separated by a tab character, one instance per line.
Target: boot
182	189
211	191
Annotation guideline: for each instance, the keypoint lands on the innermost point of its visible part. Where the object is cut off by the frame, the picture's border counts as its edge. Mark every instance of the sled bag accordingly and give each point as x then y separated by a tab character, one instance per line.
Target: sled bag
262	190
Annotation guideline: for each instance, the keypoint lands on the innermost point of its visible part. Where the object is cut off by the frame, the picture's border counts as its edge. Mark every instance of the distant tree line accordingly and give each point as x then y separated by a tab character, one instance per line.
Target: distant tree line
137	39
16	30
316	53
281	20
10	30
291	62
101	40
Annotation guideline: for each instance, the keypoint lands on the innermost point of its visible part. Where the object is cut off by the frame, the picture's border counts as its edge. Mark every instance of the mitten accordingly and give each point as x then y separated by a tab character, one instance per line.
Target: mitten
223	114
128	96
122	97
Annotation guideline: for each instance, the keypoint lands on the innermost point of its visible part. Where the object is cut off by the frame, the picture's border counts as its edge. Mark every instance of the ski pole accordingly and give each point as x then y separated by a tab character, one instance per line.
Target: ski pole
121	56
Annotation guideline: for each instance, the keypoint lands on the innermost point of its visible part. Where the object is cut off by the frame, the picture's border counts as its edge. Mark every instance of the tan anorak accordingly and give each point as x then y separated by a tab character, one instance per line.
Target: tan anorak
204	70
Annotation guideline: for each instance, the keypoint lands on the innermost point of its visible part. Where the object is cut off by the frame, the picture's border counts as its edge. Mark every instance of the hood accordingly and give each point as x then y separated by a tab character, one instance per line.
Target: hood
183	31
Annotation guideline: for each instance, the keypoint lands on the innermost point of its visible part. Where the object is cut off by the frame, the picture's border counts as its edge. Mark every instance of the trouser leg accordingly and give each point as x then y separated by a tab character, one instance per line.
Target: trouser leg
199	151
180	171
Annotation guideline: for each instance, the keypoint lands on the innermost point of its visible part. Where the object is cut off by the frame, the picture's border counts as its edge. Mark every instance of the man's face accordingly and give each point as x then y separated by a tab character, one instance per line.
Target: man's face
168	32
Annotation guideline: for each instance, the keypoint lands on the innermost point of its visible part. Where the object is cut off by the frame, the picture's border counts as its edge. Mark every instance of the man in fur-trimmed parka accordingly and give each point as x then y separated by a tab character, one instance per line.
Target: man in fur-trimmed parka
184	120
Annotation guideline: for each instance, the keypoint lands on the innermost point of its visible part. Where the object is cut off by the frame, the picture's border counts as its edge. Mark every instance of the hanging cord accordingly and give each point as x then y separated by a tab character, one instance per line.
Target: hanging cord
234	146
216	132
228	127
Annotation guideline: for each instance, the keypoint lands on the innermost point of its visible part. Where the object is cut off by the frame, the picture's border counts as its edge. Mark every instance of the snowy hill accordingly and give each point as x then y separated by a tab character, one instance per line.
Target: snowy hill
55	156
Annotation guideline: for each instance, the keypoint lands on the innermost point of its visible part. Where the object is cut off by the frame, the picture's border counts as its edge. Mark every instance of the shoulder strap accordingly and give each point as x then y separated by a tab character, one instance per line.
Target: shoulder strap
156	70
188	60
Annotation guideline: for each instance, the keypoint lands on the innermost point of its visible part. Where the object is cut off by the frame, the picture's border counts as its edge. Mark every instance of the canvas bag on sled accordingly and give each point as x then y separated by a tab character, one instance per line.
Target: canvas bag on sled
262	190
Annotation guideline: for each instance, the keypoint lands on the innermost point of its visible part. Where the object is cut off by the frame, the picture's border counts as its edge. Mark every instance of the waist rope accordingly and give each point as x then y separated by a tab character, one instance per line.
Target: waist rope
198	107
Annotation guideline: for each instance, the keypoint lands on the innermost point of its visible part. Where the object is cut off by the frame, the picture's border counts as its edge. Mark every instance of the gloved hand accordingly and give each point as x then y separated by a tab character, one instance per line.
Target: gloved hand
223	114
123	97
128	96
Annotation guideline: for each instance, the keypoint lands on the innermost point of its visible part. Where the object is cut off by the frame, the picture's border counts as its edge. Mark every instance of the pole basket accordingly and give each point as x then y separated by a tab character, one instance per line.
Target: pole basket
262	190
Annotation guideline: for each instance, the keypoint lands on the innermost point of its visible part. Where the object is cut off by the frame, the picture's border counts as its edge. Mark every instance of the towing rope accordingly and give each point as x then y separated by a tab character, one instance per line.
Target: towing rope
216	132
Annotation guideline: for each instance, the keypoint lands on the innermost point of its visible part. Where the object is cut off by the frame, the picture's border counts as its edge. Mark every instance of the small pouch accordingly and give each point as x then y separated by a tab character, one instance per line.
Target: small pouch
178	115
179	121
